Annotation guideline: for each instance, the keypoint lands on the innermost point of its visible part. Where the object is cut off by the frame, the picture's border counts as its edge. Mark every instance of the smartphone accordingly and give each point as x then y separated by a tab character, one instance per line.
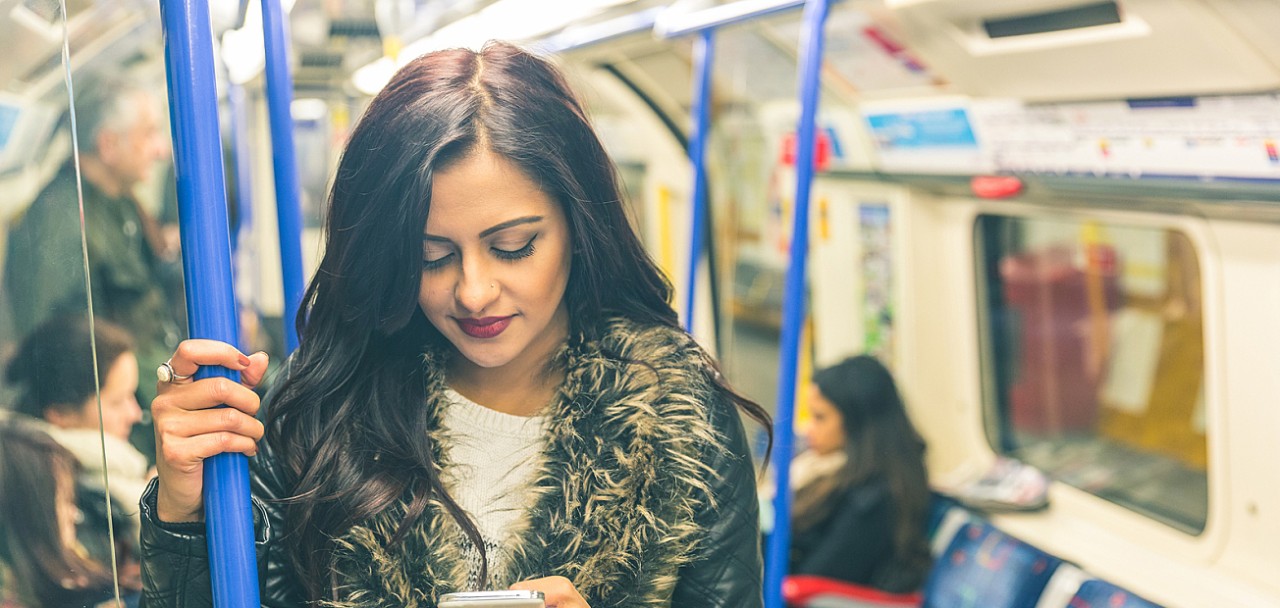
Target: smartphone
493	599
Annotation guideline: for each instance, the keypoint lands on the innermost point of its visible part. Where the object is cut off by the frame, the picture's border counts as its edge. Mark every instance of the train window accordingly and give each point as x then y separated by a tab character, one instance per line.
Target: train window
1093	351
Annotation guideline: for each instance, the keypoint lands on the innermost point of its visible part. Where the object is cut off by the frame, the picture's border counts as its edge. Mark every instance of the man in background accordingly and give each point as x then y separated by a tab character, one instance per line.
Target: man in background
118	124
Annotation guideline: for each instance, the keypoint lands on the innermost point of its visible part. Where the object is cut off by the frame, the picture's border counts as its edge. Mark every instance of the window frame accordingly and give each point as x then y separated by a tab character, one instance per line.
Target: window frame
1196	231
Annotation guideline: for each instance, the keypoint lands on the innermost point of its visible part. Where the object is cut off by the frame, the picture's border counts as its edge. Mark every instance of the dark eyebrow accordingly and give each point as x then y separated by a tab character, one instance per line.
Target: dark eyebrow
488	231
510	223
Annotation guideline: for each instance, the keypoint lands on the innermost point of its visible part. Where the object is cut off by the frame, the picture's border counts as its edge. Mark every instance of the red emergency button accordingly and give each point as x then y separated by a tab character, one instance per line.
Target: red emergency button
995	186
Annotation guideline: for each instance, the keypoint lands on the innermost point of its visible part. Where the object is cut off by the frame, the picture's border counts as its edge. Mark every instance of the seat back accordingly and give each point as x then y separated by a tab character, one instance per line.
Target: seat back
1096	593
817	592
986	568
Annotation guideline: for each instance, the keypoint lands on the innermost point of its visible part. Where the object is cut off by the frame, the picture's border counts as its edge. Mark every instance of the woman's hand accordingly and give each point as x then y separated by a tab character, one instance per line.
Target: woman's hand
188	431
558	590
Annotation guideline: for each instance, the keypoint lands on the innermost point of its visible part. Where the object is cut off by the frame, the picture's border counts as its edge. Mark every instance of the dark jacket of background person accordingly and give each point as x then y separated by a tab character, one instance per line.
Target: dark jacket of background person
38	568
864	523
44	276
854	543
673	524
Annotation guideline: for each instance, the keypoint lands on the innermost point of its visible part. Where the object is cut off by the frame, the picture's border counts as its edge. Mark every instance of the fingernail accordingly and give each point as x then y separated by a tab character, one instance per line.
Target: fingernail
244	361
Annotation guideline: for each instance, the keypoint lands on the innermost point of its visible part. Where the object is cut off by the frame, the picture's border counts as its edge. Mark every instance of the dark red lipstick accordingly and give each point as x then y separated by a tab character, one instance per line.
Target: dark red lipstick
487	327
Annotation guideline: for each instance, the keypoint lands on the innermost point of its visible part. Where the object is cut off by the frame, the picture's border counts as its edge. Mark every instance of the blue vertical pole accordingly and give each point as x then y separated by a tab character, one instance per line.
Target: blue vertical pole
703	48
793	303
211	303
279	100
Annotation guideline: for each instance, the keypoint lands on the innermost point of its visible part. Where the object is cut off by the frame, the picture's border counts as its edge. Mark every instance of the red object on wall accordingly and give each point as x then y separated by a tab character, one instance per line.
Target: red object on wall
821	151
995	186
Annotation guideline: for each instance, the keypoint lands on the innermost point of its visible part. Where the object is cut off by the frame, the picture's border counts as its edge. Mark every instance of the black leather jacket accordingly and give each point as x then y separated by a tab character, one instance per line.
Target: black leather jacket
725	570
175	563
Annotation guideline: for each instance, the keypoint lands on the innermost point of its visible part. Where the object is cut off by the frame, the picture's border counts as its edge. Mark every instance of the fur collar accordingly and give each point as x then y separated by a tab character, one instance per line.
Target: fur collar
615	497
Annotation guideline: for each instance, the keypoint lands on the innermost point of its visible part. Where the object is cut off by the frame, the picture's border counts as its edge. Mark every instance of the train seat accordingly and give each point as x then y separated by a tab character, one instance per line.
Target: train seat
819	592
946	517
1095	593
984	567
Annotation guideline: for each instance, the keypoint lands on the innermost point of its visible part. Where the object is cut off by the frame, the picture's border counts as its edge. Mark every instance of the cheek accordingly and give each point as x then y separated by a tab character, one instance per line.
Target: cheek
830	432
430	294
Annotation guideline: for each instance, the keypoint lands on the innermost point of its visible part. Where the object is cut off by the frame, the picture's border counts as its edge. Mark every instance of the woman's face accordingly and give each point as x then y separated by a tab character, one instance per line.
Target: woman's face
120	410
495	263
825	432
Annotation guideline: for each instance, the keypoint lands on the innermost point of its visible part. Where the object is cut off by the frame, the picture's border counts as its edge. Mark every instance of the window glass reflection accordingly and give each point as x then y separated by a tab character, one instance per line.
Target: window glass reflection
1096	346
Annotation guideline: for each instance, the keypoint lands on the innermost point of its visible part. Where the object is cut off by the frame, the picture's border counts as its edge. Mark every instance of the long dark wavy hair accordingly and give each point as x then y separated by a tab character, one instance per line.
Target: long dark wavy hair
356	385
37	486
880	442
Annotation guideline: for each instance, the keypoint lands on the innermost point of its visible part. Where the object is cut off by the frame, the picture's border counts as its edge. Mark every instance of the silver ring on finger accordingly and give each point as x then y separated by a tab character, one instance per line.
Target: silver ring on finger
166	374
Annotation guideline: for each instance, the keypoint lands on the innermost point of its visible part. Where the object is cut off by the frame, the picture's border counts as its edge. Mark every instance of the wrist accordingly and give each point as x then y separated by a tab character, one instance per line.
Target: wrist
170	510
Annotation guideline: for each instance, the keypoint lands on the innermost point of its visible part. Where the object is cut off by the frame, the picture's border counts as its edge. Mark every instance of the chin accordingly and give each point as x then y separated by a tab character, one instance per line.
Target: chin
487	358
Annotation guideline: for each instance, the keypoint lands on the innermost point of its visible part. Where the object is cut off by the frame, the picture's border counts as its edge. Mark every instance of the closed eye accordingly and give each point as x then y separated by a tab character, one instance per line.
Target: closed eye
518	254
437	263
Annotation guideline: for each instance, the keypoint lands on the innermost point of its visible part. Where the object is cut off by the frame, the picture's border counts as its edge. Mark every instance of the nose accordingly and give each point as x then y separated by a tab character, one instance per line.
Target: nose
159	148
477	288
133	411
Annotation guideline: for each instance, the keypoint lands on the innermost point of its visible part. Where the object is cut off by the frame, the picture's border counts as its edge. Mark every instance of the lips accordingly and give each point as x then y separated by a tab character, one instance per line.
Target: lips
488	327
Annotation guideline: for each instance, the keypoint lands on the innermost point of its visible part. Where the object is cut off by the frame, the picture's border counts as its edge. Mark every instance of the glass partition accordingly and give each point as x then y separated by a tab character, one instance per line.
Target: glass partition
752	185
92	293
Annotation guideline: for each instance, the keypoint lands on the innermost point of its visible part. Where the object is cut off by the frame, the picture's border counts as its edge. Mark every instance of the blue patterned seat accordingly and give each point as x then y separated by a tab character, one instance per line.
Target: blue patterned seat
986	568
1096	593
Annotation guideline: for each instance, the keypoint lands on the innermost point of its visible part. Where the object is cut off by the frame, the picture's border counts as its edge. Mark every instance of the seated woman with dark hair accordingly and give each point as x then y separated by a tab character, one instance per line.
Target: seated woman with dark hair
53	369
42	564
861	488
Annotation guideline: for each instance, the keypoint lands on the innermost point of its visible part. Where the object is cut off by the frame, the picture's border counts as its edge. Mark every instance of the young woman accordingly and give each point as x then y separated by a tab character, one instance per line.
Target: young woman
491	390
861	488
42	564
54	370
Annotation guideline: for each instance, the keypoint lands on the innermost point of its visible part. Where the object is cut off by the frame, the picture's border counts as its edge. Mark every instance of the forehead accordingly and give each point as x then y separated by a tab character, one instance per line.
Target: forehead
481	190
123	372
819	402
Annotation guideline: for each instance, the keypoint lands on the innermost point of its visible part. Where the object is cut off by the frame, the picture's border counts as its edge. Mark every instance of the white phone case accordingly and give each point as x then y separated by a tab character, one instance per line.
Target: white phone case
493	599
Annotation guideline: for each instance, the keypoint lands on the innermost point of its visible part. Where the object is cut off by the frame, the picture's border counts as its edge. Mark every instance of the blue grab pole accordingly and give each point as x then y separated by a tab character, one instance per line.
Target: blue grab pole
703	51
288	210
211	303
793	303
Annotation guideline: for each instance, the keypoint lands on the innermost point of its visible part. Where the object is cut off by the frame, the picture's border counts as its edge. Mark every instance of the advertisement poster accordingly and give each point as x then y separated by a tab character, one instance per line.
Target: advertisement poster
877	280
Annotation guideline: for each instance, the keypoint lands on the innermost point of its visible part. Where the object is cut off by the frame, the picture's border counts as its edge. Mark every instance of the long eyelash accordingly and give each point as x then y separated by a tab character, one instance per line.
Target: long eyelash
436	264
518	254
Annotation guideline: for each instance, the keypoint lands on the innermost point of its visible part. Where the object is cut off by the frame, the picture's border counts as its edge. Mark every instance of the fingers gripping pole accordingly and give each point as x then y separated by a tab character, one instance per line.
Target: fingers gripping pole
211	304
